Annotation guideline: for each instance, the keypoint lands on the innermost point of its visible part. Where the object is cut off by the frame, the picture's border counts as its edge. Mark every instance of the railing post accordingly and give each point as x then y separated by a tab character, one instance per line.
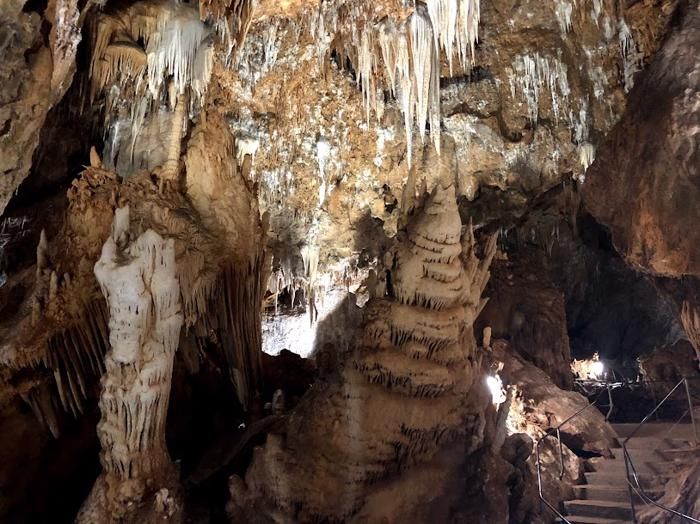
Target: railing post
653	396
539	472
690	410
561	455
629	482
610	402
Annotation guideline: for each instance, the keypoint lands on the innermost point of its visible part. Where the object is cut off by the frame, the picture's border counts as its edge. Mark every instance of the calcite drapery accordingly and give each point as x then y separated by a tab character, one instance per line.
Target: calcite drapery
139	281
400	400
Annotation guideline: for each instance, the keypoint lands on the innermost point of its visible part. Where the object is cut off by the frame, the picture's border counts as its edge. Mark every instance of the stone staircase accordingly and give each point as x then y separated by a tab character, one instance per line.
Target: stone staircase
604	498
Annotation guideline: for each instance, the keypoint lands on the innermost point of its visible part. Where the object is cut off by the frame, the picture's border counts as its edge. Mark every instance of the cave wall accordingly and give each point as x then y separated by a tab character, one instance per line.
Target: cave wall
644	183
39	42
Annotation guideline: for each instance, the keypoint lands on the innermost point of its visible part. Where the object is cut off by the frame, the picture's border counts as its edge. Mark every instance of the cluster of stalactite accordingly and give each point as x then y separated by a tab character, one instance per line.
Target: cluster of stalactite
401	53
58	334
235	321
400	399
151	65
76	355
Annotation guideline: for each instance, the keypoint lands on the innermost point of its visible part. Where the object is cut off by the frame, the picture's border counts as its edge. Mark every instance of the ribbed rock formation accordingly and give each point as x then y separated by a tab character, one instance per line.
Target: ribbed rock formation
138	279
399	400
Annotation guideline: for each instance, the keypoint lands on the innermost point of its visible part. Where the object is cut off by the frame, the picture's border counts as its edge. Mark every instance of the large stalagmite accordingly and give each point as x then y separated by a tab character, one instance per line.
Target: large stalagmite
399	402
138	279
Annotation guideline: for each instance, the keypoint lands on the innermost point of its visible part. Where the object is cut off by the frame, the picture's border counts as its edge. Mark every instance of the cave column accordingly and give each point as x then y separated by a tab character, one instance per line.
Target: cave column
138	280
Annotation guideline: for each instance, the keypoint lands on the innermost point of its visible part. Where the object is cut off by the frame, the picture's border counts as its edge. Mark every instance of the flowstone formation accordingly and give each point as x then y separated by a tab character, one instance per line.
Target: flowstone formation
139	281
399	401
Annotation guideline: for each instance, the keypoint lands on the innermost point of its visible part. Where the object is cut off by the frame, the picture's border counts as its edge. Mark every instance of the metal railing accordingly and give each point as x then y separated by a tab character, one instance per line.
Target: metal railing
633	483
557	431
584	384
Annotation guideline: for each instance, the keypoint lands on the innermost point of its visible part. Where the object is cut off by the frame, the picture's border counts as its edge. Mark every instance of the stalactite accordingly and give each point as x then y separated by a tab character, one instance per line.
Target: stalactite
43	403
238	323
221	195
409	52
535	73
171	167
631	57
137	52
76	356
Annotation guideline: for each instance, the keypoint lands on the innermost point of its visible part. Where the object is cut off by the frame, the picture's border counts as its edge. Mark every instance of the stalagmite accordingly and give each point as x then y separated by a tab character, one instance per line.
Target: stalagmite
138	280
400	401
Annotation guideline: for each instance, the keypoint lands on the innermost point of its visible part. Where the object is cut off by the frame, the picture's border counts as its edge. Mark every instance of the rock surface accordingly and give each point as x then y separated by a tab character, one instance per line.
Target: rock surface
314	131
37	69
644	183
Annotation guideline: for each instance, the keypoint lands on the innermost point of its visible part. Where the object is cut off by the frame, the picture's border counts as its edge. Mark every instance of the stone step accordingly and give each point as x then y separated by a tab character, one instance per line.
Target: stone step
647	455
618	478
617	466
654	443
582	519
610	492
599	508
666	456
655	430
679	453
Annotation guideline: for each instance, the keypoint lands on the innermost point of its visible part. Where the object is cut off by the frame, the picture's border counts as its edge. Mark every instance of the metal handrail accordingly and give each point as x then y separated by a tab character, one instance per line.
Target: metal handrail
608	386
630	470
557	431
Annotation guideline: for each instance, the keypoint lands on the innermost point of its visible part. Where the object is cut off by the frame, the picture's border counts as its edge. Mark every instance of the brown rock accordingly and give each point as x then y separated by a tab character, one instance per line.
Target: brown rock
645	182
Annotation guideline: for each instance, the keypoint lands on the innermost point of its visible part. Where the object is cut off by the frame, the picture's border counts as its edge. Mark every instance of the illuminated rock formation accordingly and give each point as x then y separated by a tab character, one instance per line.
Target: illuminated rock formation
399	401
139	281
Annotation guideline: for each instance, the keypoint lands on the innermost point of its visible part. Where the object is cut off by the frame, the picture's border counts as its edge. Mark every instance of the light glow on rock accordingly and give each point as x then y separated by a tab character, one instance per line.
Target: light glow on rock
495	385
